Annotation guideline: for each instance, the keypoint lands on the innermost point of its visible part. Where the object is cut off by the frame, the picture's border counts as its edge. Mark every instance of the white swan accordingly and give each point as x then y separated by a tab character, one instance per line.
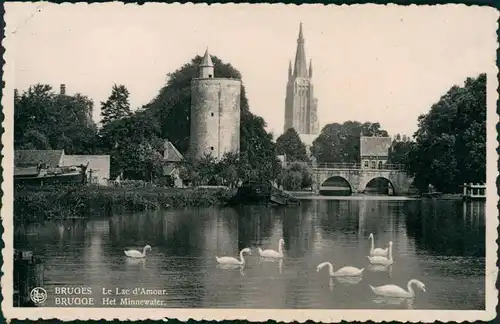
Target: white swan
396	291
137	254
376	251
342	272
273	253
233	261
381	259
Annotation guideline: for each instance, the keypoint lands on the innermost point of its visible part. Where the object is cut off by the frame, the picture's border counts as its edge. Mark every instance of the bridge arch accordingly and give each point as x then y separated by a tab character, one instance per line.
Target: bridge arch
380	185
335	183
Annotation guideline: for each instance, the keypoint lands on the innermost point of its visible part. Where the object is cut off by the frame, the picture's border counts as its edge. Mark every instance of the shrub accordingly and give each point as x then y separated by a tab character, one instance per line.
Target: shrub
296	177
33	204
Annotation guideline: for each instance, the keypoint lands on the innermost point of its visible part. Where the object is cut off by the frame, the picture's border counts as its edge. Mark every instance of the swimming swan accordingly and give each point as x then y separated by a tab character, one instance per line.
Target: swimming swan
381	259
376	251
342	272
272	253
233	261
396	291
137	254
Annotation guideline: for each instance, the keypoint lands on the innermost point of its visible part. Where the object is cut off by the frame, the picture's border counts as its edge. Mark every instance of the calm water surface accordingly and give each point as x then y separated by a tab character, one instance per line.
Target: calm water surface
441	243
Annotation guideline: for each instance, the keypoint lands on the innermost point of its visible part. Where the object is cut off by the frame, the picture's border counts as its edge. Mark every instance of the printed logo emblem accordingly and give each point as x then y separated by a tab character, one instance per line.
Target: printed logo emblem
38	295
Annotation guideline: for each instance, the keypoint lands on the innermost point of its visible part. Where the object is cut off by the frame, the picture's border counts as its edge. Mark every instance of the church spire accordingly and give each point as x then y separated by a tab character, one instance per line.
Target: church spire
300	56
301	36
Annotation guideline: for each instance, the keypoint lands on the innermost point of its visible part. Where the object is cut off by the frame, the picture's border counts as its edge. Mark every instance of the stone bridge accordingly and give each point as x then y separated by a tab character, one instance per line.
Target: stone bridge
358	178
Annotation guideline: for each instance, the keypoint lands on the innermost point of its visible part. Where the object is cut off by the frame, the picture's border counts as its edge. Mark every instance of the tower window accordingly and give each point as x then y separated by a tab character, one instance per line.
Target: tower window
212	114
209	76
212	148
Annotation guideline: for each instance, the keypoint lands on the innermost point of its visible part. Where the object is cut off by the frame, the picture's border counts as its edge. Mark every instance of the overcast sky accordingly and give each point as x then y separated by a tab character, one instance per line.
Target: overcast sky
371	63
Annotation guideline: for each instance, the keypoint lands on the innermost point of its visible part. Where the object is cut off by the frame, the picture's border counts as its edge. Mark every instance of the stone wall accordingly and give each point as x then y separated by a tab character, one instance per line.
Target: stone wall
215	117
358	179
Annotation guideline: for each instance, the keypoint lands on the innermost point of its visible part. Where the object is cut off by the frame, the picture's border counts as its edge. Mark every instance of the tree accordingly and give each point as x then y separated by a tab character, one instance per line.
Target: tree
117	106
290	144
46	120
400	149
134	144
340	142
296	177
172	108
450	146
229	167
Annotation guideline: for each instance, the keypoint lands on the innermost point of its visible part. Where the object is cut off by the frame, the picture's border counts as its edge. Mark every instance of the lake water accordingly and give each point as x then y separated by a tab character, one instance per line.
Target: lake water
441	243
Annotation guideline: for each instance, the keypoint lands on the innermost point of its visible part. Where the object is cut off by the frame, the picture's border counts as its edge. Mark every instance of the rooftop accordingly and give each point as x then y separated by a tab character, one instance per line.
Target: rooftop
170	153
25	158
375	146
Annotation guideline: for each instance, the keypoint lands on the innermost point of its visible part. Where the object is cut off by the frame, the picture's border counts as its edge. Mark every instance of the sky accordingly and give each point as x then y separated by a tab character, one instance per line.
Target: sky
385	64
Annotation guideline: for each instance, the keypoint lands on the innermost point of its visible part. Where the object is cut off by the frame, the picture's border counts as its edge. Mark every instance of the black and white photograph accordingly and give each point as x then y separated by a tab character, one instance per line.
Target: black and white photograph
250	161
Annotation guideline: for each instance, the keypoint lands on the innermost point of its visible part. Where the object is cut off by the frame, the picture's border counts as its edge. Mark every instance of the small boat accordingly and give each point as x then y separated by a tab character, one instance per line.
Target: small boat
255	193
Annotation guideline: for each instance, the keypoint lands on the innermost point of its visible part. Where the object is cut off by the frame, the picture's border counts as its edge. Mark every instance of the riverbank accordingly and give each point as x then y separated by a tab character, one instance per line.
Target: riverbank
35	204
309	195
360	197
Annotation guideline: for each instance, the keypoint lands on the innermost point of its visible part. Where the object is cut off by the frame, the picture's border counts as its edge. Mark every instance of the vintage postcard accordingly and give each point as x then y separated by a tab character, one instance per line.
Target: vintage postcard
249	161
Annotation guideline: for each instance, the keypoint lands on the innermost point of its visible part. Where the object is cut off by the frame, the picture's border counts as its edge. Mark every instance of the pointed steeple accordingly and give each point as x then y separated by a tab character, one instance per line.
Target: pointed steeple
310	68
290	69
206	66
301	36
300	56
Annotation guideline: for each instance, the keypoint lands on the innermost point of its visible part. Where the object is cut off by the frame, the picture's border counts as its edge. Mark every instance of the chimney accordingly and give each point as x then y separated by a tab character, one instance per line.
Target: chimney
16	93
63	89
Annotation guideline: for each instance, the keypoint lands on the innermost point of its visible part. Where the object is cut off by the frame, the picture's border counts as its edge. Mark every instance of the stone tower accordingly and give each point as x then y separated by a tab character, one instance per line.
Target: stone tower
215	113
301	108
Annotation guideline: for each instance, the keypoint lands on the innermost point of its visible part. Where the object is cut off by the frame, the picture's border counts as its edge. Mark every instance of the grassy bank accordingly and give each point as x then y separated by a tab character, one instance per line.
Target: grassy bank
56	202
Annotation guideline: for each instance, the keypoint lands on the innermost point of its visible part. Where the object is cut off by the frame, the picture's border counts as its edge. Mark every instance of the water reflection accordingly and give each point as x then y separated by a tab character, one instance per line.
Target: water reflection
433	241
381	268
440	227
394	301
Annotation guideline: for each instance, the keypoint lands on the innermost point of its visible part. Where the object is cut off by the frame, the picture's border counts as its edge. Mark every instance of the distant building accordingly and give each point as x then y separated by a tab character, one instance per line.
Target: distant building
374	151
97	169
301	107
215	113
171	159
28	162
32	158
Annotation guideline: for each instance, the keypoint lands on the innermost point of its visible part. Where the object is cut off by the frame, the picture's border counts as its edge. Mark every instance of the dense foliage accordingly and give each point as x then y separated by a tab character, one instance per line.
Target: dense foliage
60	202
45	120
135	146
448	149
290	145
296	177
340	142
172	108
400	149
117	106
450	146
